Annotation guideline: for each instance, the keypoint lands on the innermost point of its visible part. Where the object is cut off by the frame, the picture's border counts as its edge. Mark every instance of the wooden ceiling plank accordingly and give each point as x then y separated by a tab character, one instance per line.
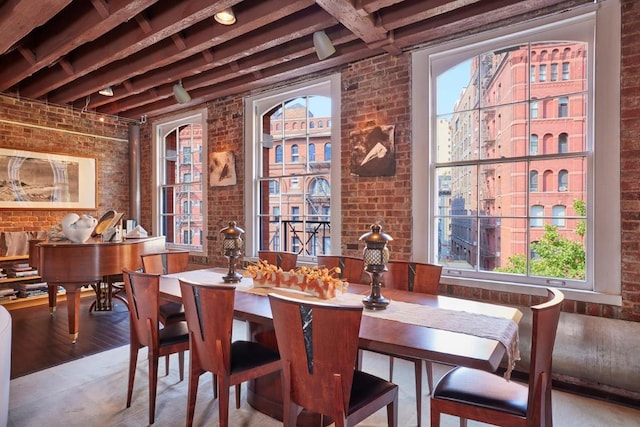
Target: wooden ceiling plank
346	13
102	7
150	62
126	41
27	54
144	23
19	17
66	38
178	40
66	66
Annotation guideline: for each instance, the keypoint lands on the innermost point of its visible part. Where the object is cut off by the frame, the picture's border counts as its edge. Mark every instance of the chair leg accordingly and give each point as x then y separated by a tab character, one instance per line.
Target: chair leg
418	374
392	413
390	368
133	361
153	386
166	365
181	365
192	394
238	388
223	403
435	416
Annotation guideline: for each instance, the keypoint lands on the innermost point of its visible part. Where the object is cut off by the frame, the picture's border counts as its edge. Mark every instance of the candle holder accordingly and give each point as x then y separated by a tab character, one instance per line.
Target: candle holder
375	256
232	250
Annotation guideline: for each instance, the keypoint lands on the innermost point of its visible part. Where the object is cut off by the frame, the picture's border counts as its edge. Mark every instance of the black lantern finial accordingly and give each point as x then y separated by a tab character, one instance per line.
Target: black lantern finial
232	249
376	255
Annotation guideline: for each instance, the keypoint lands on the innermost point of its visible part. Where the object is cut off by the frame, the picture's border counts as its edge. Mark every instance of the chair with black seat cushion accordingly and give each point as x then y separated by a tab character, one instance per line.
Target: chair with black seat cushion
492	399
351	268
285	260
318	344
143	295
209	311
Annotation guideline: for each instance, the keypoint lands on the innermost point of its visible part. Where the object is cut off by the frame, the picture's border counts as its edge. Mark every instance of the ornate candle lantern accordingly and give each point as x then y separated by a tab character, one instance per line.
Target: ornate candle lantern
376	255
232	249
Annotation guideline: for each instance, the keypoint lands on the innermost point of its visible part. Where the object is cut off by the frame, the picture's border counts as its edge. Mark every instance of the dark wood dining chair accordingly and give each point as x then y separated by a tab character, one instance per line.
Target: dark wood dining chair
492	399
414	277
167	263
318	345
209	310
144	303
351	268
285	260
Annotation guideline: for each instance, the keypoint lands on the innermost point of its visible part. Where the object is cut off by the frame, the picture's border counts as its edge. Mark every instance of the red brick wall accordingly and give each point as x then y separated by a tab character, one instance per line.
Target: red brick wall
630	160
35	126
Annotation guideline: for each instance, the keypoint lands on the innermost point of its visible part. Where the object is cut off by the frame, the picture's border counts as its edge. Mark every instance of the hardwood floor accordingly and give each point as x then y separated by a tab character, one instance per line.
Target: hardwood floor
40	340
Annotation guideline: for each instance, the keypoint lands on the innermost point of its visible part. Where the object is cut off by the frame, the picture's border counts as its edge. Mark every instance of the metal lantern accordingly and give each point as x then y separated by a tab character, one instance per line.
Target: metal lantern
232	249
376	256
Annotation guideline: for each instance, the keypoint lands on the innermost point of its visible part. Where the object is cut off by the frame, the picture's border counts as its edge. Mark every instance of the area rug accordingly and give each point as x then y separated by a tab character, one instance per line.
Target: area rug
92	392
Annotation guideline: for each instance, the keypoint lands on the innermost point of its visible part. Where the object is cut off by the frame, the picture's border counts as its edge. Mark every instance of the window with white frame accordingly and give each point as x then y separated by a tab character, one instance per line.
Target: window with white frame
308	215
179	199
495	222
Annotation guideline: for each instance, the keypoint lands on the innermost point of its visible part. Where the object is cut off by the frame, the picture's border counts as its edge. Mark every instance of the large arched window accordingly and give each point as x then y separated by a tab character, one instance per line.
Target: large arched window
302	200
178	178
563	180
533	181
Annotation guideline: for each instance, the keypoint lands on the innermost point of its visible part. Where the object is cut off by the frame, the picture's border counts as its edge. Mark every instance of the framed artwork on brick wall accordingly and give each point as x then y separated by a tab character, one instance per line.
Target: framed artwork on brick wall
373	151
222	169
39	180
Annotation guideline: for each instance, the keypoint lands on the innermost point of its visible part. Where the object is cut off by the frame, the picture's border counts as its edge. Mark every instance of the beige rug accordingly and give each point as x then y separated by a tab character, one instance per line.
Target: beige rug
92	392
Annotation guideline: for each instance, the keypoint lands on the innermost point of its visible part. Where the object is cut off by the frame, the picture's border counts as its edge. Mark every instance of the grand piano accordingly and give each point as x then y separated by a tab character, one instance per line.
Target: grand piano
74	265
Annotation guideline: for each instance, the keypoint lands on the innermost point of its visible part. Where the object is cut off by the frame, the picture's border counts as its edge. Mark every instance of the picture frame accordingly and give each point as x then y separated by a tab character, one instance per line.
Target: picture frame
41	180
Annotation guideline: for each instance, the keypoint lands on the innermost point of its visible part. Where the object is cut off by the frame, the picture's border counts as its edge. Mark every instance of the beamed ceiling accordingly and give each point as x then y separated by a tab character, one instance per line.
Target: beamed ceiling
64	51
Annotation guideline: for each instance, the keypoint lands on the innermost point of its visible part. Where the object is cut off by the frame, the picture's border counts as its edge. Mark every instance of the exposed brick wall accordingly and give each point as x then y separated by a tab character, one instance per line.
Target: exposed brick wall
376	92
630	160
34	126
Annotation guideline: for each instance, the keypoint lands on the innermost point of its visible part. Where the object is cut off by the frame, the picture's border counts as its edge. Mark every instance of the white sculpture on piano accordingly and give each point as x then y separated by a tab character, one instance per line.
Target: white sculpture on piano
78	228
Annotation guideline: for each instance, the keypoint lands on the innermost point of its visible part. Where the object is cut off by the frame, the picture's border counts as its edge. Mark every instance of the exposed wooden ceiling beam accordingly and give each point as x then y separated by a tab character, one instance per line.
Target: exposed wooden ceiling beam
19	17
168	19
63	36
149	64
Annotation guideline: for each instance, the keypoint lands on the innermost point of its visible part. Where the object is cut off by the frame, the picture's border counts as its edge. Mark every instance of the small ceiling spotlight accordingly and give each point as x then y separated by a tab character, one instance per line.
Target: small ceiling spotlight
181	94
225	17
107	91
323	45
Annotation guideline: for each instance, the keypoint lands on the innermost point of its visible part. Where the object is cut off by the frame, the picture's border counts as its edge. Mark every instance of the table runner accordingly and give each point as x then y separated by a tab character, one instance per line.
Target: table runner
500	329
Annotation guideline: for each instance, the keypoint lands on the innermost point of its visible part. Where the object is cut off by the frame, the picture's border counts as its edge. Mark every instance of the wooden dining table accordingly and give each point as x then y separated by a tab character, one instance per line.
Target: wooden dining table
376	333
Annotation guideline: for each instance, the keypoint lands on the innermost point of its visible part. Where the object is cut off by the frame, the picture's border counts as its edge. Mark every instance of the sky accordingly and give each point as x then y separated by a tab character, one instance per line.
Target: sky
450	85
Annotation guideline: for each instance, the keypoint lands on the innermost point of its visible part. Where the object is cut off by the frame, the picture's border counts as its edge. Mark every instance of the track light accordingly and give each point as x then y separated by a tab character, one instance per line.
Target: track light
181	94
107	91
322	44
225	17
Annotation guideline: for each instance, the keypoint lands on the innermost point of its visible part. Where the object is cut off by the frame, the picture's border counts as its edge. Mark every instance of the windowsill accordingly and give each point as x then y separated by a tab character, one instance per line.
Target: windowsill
570	294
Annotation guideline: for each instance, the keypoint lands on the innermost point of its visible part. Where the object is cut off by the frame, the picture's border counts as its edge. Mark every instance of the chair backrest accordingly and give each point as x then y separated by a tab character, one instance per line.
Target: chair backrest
351	268
412	276
143	292
209	313
543	336
317	341
285	260
165	262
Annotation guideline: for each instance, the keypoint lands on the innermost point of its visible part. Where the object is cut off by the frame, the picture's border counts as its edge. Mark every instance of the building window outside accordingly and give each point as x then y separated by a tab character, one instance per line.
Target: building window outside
558	213
278	154
492	226
533	181
534	109
312	152
178	178
533	145
300	200
327	152
554	72
563	180
565	71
